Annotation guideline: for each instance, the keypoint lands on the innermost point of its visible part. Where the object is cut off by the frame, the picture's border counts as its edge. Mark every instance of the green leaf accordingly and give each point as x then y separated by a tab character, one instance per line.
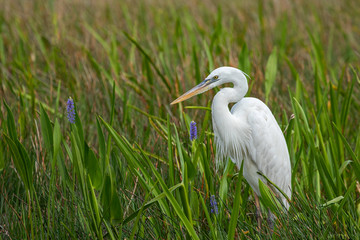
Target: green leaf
209	56
344	165
194	203
191	169
116	208
93	203
10	123
152	63
136	223
350	151
208	218
22	162
46	130
170	154
56	139
172	200
77	159
270	73
151	202
101	139
79	132
333	201
2	155
348	194
224	185
236	206
269	198
133	159
175	205
106	197
93	168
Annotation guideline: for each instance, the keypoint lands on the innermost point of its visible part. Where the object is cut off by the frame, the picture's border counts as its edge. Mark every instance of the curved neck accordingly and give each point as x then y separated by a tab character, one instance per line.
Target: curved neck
230	95
220	104
224	122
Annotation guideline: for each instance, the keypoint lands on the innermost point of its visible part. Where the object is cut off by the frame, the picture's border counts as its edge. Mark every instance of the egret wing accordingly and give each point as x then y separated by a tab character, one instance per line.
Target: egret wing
267	151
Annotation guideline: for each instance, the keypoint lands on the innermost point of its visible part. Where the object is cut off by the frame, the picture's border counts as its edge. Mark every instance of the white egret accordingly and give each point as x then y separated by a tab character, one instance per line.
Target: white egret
249	132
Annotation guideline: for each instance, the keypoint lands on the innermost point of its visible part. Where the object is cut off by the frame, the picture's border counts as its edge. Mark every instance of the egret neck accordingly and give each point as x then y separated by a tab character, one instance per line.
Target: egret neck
222	116
221	101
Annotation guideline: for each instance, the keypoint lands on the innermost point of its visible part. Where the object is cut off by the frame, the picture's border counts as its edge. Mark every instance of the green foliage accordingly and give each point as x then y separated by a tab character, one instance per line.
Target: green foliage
21	158
126	168
236	208
270	73
268	198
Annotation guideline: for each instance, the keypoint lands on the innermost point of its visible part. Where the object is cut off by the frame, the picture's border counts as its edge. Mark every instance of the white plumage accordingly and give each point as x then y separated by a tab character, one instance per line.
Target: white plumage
249	132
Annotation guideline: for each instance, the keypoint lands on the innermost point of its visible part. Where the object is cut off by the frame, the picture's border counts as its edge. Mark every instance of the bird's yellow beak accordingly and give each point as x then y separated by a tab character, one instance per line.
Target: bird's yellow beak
202	87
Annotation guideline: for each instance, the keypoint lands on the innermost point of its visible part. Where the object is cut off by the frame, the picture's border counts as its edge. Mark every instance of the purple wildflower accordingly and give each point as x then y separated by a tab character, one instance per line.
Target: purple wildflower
70	108
193	131
213	204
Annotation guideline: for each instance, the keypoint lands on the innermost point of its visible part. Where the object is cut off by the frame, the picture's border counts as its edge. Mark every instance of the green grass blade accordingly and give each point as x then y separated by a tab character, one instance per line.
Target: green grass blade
57	137
175	204
355	159
10	123
151	202
208	218
147	56
270	73
236	207
47	130
23	164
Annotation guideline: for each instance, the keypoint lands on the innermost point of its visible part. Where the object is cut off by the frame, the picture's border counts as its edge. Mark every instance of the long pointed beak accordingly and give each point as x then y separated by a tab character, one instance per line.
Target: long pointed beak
202	87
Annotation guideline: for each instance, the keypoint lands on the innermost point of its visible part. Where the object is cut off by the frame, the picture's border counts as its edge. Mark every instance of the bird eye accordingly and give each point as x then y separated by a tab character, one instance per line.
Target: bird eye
216	77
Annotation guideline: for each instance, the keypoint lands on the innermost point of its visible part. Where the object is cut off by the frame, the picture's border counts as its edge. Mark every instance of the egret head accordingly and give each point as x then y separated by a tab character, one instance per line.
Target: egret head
216	78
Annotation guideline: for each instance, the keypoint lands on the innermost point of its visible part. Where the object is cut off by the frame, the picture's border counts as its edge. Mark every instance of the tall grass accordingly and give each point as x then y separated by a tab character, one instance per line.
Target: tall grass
126	168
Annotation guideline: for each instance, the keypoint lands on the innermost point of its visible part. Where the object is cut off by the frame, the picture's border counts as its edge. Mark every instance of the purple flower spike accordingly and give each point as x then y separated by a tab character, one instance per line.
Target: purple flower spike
70	108
213	204
193	131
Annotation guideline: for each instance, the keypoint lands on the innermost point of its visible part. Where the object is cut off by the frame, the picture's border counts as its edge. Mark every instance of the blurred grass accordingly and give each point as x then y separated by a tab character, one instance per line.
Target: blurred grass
126	168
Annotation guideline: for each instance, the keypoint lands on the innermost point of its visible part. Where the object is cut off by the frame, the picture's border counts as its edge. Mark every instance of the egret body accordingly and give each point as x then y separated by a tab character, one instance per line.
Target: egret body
249	132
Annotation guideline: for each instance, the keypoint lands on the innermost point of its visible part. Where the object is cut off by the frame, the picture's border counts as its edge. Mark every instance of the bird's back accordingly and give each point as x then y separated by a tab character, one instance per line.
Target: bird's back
267	150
